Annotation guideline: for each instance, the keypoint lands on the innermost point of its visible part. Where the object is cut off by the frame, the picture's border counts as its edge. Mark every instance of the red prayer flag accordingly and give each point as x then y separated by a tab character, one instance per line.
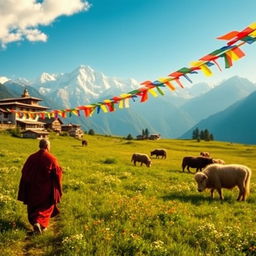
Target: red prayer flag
179	83
144	96
228	36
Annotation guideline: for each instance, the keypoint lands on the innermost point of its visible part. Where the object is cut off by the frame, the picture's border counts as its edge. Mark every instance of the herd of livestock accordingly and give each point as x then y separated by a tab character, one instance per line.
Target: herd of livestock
211	173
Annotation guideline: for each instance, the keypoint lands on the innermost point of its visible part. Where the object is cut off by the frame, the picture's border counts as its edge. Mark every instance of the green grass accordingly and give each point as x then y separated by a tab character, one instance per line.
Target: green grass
110	207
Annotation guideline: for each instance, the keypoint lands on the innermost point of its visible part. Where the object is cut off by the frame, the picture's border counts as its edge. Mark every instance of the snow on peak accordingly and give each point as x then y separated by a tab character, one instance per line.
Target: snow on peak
82	85
46	77
3	79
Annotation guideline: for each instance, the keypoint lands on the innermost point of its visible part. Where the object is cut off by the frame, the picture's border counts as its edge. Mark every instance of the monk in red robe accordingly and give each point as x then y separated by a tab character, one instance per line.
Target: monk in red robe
40	186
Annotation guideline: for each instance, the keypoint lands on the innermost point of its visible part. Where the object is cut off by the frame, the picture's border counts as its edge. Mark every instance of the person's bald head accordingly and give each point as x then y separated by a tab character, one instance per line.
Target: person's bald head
44	144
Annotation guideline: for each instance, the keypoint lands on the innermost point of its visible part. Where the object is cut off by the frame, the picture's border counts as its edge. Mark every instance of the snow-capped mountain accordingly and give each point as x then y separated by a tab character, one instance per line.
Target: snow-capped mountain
81	86
45	77
3	79
171	115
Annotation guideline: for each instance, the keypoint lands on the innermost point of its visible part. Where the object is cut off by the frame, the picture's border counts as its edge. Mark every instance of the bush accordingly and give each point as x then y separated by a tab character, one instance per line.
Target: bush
109	161
15	132
64	134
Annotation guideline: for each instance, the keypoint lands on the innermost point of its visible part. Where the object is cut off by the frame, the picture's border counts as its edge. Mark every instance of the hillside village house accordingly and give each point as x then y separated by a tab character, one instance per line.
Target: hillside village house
32	126
23	121
154	137
53	124
73	130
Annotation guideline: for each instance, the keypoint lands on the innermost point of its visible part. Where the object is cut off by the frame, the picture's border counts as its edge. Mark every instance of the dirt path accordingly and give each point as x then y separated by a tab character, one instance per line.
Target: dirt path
30	246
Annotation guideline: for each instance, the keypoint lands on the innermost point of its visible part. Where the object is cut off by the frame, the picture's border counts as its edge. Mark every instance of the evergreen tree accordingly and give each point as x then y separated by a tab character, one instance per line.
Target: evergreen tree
129	137
146	133
206	135
201	135
91	132
195	134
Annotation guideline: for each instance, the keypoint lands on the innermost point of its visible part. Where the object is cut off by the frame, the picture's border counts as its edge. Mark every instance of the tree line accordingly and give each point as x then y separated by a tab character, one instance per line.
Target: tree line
198	134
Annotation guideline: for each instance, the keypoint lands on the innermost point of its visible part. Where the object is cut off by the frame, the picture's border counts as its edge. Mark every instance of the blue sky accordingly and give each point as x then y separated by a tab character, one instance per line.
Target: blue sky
141	39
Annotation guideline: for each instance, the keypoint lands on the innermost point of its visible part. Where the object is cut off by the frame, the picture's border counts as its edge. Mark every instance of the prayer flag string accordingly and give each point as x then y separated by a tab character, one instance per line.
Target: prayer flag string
230	52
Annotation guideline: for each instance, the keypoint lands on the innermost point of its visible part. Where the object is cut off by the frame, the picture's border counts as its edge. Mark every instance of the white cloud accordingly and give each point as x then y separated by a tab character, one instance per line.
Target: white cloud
20	20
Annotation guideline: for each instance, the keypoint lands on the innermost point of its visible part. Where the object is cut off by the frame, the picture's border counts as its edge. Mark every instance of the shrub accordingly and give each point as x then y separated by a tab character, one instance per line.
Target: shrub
64	134
110	161
15	132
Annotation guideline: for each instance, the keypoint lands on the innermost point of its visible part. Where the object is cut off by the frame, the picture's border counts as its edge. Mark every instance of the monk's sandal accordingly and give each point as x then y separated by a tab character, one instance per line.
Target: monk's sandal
37	228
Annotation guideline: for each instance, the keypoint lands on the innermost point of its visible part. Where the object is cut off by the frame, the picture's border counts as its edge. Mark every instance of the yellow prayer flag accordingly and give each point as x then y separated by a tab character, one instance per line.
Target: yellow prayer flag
232	55
206	70
124	95
164	79
252	26
74	111
196	63
253	34
103	108
152	92
121	104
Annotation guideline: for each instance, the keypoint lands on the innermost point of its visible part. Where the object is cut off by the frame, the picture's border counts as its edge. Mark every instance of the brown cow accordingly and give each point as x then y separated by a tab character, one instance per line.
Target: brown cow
195	162
142	158
159	152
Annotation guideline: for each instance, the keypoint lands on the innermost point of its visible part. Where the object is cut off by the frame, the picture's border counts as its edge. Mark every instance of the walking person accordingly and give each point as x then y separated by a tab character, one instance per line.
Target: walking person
40	186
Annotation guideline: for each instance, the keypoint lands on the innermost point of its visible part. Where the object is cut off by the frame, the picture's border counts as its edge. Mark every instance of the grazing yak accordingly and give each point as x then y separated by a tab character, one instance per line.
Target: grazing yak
218	176
159	152
198	162
205	154
142	158
84	143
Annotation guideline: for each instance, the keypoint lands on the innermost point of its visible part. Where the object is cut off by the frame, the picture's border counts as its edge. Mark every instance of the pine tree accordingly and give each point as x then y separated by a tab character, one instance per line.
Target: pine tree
129	137
91	132
146	133
201	135
195	134
206	135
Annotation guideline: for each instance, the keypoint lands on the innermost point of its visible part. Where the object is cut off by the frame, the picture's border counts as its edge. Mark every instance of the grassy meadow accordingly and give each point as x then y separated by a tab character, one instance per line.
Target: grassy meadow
110	207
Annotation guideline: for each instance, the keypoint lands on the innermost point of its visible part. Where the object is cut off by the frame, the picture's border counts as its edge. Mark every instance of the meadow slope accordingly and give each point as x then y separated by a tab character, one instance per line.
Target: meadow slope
110	207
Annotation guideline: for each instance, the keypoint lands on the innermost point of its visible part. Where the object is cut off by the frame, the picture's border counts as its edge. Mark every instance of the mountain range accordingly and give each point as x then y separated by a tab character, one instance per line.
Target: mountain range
234	124
173	115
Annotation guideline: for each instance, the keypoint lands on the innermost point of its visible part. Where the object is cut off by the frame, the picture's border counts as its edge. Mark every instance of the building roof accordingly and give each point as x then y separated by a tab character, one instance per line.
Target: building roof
71	125
20	99
24	105
36	131
50	120
29	122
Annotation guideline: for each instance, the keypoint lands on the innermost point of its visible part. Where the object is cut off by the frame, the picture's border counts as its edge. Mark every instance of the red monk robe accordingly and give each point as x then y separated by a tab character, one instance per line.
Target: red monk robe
40	187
